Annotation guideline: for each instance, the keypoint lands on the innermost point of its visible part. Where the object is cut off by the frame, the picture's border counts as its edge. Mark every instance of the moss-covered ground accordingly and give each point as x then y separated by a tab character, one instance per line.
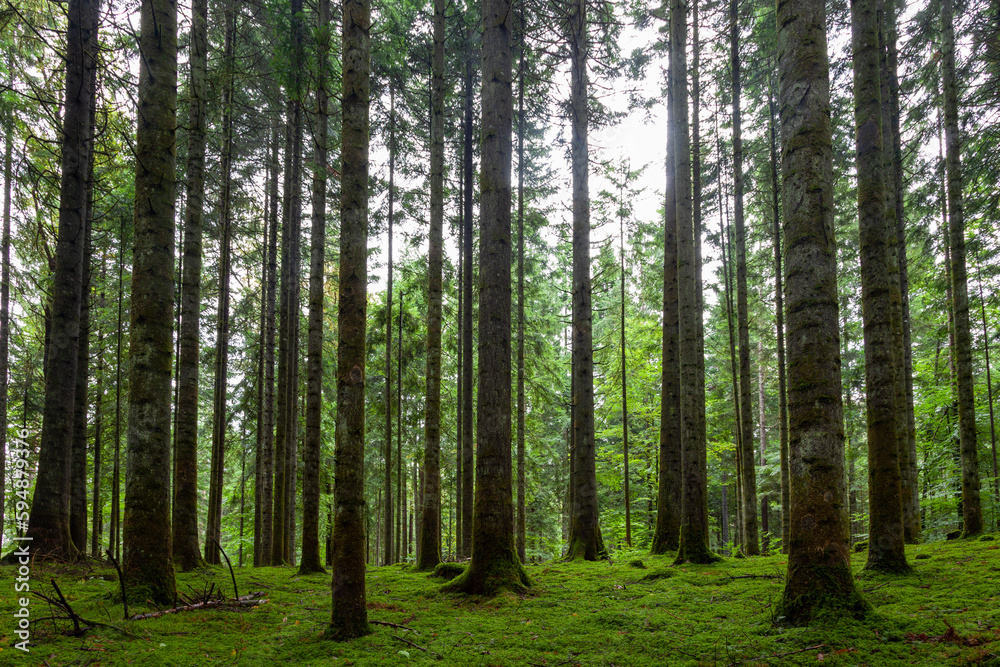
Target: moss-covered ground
633	610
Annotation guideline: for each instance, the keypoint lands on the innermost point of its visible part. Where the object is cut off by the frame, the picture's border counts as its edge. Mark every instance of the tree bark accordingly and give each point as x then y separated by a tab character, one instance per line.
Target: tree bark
494	565
186	552
148	568
468	471
584	534
666	537
48	522
312	443
521	408
971	504
429	553
751	539
879	296
388	341
8	174
350	616
693	545
819	569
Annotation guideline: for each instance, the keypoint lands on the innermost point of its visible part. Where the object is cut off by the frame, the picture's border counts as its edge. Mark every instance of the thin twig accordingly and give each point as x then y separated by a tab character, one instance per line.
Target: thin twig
236	592
69	610
392	625
801	650
425	650
121	580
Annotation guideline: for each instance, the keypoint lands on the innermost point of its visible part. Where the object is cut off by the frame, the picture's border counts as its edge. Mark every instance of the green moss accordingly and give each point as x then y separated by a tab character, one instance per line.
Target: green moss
637	562
694	547
448	570
861	547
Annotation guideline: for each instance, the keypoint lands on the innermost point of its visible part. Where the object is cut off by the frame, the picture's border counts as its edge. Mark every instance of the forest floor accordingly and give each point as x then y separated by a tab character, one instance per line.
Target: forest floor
633	610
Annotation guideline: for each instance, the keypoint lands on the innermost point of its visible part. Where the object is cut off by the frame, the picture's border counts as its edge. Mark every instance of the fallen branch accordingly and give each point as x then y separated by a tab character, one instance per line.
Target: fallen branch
236	592
425	650
801	650
755	576
246	600
392	625
69	610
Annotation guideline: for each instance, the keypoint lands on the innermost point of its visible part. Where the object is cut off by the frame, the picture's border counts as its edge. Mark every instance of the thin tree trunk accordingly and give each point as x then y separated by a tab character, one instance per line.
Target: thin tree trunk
460	374
621	344
468	471
8	175
314	363
116	513
350	616
779	323
971	503
400	479
213	534
751	540
819	569
392	555
48	522
521	408
989	388
148	567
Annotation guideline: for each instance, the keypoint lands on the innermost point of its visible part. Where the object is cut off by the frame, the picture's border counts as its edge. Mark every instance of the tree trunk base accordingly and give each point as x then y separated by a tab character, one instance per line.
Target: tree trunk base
503	572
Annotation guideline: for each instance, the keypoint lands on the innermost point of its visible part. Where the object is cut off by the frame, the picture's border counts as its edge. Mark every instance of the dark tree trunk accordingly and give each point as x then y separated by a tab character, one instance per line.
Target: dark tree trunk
879	296
460	375
779	317
213	533
971	505
625	472
584	533
392	555
350	616
48	523
186	553
312	443
521	408
751	546
97	505
468	480
429	551
148	568
668	500
116	509
494	565
8	173
400	479
267	419
819	569
693	545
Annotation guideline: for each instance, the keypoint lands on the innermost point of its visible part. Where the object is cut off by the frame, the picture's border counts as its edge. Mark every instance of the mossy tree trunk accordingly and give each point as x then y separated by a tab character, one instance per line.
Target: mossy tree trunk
312	443
668	499
350	615
972	511
521	407
879	296
392	555
693	545
186	552
819	569
584	533
429	552
148	567
48	522
494	566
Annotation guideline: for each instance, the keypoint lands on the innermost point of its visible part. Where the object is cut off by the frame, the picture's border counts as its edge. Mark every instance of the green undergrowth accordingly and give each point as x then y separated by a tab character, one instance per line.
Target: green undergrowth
946	612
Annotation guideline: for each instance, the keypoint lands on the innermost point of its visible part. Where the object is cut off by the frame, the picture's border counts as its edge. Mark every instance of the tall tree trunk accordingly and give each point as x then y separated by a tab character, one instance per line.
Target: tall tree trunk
460	375
220	421
668	499
819	568
879	296
350	616
693	545
186	553
393	555
621	344
314	363
97	505
48	522
584	534
259	393
116	513
727	273
521	408
911	518
494	565
779	325
266	491
148	568
989	388
971	504
429	553
751	540
400	479
468	471
8	175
